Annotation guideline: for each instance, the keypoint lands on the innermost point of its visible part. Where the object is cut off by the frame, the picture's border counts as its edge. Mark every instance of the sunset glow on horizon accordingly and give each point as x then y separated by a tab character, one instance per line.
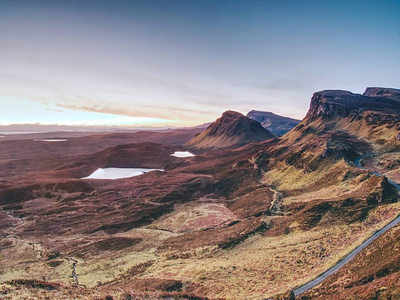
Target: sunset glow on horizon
26	111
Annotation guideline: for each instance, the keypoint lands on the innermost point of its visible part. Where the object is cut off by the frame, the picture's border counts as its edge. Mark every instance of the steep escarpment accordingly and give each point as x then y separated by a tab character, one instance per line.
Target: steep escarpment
330	103
382	92
373	117
339	126
276	124
231	129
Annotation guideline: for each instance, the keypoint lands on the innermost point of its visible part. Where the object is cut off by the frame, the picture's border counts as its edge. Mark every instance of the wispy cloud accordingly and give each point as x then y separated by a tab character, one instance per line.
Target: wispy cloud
55	110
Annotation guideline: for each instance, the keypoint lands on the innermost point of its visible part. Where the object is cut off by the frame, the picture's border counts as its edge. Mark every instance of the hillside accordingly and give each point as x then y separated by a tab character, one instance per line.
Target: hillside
231	129
373	274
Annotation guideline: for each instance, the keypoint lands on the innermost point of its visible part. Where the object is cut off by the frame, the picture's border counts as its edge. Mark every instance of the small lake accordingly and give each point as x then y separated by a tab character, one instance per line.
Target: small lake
50	140
118	173
182	154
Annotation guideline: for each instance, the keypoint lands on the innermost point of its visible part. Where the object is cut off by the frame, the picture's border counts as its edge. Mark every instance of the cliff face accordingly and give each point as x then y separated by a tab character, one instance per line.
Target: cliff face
372	119
382	92
326	104
276	124
231	129
330	103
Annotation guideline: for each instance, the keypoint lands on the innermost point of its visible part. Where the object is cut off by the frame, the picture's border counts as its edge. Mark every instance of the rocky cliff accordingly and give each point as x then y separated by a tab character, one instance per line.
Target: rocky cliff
330	103
382	92
373	117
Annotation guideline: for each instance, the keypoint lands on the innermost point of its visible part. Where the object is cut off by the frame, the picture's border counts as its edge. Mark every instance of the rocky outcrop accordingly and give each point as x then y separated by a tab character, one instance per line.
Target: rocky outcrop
379	119
276	124
339	150
326	104
382	92
230	130
329	103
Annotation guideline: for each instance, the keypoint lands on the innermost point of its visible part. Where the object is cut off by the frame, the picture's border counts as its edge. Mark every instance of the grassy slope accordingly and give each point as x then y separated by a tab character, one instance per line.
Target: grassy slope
373	274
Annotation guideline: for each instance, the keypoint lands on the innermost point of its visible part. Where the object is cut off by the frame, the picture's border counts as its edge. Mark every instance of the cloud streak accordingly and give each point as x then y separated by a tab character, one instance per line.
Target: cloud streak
55	110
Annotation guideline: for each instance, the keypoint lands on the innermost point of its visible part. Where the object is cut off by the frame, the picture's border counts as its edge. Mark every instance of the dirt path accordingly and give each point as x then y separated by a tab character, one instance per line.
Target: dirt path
74	274
276	204
359	165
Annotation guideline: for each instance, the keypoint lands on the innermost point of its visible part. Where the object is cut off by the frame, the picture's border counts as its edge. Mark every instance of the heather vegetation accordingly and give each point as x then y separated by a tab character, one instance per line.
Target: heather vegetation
248	216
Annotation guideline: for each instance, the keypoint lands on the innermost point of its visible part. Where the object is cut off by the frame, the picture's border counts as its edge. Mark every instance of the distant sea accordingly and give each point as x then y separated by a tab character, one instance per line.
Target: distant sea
21	132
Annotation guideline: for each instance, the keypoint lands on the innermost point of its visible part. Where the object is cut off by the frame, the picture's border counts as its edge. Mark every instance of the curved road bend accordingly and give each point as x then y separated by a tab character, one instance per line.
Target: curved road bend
311	284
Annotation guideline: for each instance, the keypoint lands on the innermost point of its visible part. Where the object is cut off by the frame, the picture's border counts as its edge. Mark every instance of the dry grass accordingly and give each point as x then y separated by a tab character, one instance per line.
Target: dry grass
287	177
354	187
258	267
194	217
11	291
263	266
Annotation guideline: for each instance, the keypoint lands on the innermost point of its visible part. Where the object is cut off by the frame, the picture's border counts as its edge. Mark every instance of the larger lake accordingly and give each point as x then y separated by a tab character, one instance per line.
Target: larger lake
182	154
118	173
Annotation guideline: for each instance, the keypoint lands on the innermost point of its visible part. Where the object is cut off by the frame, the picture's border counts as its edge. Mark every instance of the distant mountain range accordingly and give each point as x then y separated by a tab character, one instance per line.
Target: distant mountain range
276	124
40	128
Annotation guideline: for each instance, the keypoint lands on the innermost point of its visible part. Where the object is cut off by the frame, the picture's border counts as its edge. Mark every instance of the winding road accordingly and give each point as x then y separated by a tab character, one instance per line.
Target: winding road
311	284
358	164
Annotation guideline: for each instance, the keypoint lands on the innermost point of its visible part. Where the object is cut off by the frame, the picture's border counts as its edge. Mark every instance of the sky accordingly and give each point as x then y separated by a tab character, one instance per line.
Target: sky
184	62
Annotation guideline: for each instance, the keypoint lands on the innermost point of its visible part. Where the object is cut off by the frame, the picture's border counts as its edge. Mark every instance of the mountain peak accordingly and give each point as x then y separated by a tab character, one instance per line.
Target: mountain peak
231	129
231	113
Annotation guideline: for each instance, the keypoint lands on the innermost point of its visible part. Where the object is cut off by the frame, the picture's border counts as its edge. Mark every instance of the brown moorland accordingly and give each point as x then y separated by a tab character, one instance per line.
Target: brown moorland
244	222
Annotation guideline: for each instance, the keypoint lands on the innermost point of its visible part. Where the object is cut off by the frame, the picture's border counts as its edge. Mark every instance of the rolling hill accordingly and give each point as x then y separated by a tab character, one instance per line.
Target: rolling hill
232	129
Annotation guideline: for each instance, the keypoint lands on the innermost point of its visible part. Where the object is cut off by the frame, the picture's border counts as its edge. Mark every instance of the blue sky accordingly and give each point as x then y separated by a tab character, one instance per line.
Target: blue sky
184	62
